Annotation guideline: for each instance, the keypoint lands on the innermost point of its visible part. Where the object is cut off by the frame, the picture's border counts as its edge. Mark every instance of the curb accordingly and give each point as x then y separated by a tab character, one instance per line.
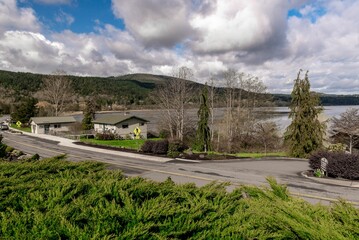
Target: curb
336	182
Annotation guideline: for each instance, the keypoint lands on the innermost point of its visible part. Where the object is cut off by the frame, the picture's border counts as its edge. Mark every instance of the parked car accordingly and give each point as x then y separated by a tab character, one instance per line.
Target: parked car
4	127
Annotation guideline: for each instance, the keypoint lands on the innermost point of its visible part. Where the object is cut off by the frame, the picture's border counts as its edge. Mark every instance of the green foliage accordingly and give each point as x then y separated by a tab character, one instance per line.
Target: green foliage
338	147
3	151
56	199
89	114
305	133
175	148
318	173
203	134
25	110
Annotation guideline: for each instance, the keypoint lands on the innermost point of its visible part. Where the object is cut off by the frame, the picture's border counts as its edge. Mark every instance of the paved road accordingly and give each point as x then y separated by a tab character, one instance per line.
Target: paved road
237	172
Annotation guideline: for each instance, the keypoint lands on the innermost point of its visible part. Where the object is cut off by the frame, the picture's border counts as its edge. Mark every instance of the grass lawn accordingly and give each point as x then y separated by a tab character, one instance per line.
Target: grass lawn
130	144
25	129
260	155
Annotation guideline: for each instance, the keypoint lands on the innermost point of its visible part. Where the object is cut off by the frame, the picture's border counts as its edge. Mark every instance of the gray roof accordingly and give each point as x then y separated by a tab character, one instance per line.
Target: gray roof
49	120
114	119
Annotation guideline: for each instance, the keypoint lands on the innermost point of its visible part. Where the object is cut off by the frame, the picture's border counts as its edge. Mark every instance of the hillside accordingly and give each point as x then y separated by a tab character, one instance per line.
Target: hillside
129	90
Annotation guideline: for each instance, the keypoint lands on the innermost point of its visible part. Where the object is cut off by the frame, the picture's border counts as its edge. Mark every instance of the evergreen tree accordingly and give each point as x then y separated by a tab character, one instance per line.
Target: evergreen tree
305	133
203	136
25	110
89	114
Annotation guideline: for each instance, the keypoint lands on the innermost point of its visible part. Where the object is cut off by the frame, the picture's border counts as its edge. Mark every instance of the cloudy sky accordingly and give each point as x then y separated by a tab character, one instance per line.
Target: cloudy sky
271	39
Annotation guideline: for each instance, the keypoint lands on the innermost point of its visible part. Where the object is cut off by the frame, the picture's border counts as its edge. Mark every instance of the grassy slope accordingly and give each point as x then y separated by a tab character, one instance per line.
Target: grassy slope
131	144
54	199
25	129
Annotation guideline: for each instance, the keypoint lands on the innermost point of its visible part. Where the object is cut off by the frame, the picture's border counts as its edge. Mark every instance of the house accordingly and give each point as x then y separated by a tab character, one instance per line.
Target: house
46	125
123	125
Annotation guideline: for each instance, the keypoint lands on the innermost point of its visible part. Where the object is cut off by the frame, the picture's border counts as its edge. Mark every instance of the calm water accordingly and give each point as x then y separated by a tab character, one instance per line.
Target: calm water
278	114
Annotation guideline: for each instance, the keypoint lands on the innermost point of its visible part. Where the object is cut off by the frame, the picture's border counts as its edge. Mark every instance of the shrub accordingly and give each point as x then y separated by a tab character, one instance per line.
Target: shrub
160	147
105	136
340	164
164	133
156	147
2	150
35	157
9	149
338	147
147	146
175	148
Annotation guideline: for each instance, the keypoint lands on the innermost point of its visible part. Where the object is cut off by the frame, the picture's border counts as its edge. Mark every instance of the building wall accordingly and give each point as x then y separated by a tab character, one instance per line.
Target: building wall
122	130
40	128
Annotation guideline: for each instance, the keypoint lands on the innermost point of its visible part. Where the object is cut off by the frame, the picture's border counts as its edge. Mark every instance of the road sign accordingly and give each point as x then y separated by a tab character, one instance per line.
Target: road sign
137	132
18	124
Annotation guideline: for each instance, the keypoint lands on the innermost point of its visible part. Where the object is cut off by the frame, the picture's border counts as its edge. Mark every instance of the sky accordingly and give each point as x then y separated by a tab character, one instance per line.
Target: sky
270	39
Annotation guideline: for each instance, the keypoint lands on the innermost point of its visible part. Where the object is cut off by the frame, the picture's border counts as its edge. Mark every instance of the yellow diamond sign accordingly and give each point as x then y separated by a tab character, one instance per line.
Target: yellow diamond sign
137	132
18	124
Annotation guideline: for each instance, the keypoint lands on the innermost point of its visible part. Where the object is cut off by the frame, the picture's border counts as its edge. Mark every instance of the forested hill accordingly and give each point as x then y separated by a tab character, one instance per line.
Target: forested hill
126	89
134	87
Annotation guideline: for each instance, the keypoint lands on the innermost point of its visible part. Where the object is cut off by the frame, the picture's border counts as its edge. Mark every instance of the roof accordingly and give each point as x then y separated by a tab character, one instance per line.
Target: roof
49	120
115	119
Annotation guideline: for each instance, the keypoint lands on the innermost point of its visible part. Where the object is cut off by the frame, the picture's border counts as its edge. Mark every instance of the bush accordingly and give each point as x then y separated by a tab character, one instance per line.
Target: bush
147	146
35	157
175	148
105	136
2	150
156	147
164	133
160	147
340	164
9	149
338	147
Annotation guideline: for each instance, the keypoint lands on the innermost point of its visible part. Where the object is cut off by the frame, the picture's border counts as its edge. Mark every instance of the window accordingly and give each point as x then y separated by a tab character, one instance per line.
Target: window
141	124
124	125
57	125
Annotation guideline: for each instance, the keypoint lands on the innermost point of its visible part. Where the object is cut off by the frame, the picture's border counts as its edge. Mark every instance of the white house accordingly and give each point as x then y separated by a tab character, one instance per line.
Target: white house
124	125
46	125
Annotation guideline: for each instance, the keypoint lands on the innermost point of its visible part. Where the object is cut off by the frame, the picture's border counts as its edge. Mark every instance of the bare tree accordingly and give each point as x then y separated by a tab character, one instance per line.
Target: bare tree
346	127
172	97
57	90
267	134
231	83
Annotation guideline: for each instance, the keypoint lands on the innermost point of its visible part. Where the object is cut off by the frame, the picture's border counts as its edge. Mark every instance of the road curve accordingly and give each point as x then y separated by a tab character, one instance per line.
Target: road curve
236	172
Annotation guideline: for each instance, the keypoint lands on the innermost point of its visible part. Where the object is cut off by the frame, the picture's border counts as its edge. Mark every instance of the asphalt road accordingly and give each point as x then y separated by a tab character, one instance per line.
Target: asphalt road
236	172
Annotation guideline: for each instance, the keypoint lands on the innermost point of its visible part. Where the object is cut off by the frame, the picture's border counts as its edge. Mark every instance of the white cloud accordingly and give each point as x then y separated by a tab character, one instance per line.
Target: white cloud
63	17
12	17
54	2
209	36
155	23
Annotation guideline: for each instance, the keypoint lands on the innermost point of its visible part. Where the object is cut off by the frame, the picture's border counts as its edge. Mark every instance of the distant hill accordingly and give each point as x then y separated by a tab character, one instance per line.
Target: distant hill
130	89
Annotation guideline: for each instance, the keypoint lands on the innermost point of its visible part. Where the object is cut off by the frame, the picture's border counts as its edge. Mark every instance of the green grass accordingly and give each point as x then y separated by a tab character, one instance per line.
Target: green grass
25	129
56	199
129	144
260	155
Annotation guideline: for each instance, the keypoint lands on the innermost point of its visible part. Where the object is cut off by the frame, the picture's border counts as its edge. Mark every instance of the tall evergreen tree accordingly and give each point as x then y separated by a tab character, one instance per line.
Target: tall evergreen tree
89	114
305	133
25	110
203	135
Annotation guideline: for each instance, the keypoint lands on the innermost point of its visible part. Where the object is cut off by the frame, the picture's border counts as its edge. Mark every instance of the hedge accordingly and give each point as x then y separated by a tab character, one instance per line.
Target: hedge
340	164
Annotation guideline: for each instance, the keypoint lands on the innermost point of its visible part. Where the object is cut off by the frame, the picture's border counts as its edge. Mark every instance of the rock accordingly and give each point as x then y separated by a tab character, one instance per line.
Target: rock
22	157
201	156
